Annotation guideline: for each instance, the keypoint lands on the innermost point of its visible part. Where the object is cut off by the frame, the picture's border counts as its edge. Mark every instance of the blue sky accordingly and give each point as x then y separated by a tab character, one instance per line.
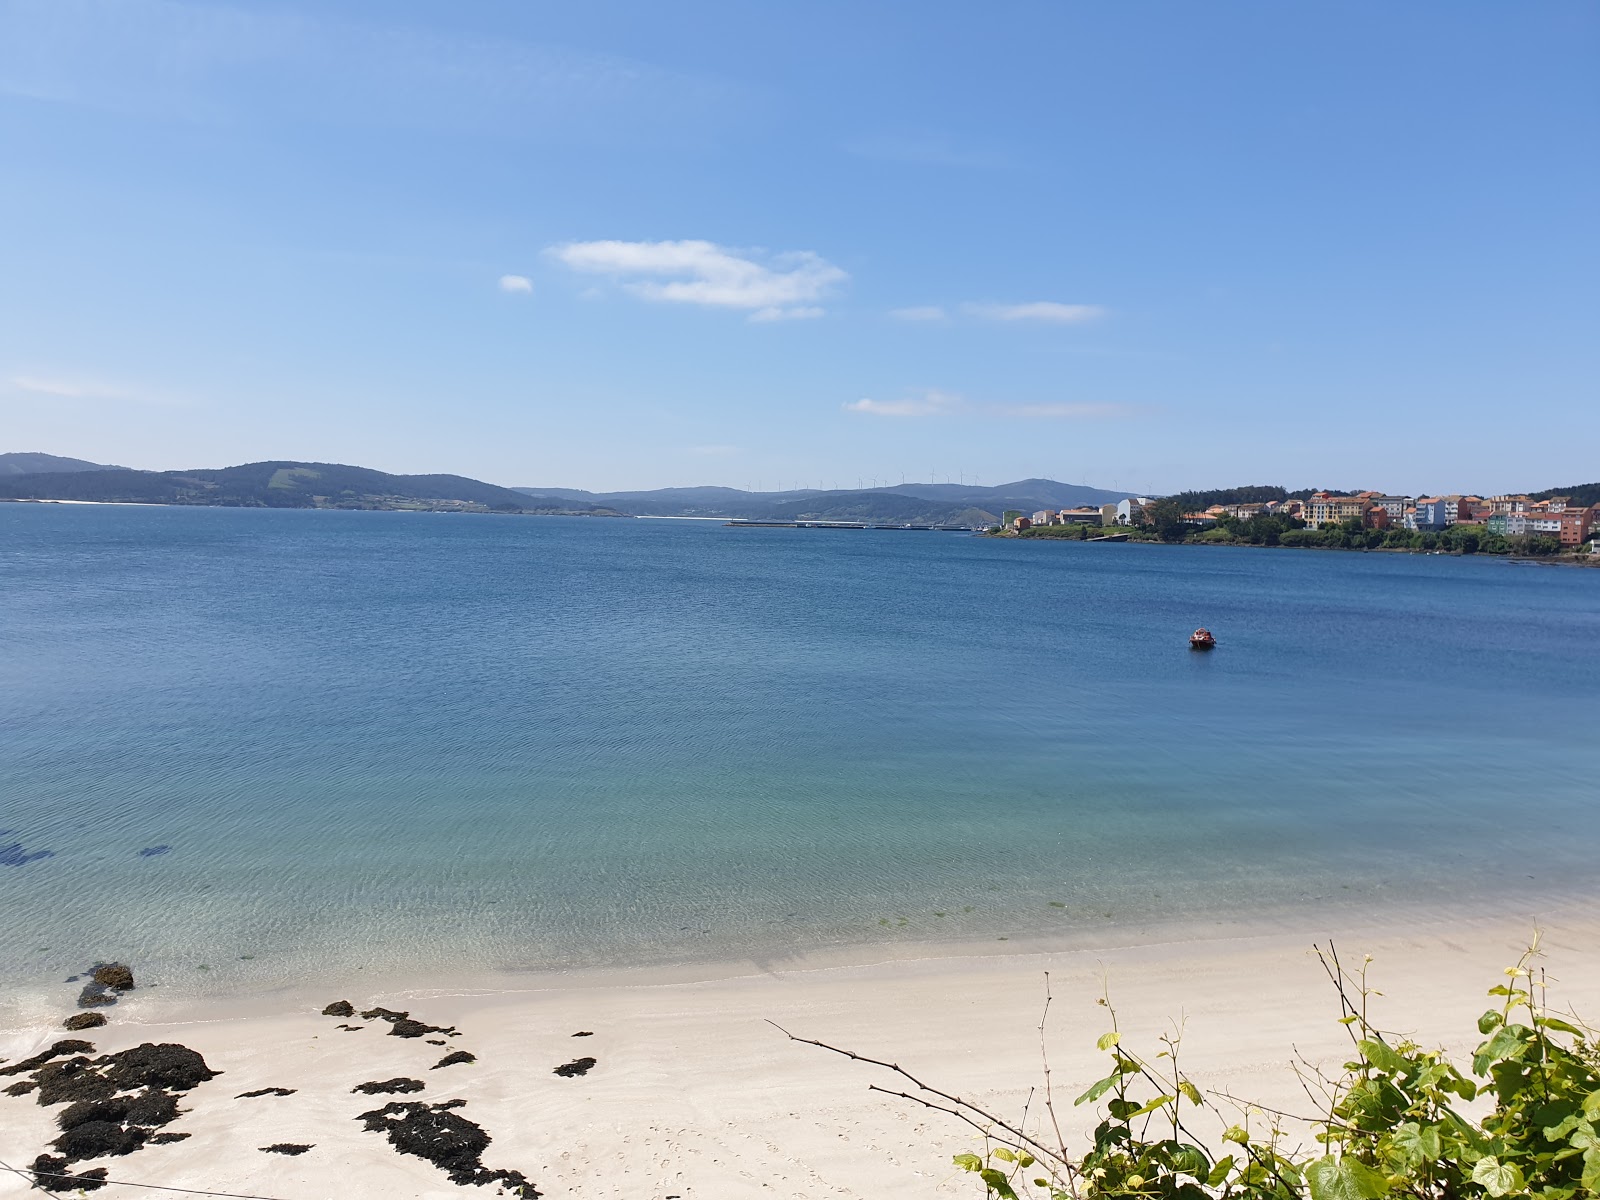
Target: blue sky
1144	245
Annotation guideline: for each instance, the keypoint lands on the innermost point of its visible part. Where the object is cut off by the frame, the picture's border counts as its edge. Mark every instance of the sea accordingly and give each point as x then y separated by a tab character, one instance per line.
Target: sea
244	746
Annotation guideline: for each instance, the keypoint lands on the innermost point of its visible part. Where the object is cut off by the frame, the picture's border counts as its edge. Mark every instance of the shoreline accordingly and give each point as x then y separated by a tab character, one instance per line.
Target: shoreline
694	1094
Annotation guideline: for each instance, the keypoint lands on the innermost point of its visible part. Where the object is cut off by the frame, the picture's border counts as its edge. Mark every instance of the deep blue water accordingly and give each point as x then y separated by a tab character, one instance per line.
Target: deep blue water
400	740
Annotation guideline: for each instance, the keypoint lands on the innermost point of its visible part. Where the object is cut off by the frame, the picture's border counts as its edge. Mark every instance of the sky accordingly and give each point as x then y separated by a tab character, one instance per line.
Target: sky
1142	245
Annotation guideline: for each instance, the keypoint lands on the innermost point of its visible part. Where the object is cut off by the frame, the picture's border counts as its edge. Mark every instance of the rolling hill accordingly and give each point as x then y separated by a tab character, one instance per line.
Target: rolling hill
35	463
913	503
285	485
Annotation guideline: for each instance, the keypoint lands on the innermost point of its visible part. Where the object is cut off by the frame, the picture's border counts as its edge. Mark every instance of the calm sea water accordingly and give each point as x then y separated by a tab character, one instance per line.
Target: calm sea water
324	739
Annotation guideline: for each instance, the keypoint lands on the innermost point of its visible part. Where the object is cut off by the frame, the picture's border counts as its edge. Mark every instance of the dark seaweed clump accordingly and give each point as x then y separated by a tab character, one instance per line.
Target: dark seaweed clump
51	1173
578	1066
266	1091
340	1008
285	1148
451	1142
13	855
389	1087
115	1103
64	1046
401	1024
450	1060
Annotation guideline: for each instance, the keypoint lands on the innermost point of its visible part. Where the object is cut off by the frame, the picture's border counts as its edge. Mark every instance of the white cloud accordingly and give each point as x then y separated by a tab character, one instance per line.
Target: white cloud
937	404
918	312
1038	310
698	272
77	387
927	405
516	283
808	313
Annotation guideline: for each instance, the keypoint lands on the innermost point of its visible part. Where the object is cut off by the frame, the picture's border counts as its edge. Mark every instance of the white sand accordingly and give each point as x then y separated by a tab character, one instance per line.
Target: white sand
695	1095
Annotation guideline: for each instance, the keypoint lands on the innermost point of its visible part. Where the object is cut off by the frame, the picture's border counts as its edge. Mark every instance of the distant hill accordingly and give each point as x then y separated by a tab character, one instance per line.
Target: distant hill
285	485
34	463
1582	494
913	503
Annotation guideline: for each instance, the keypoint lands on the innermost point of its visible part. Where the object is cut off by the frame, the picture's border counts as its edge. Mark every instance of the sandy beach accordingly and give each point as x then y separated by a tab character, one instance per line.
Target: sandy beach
694	1093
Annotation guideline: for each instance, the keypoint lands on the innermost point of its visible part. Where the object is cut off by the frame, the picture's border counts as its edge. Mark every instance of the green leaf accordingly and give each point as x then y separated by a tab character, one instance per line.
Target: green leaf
1416	1143
1004	1155
1344	1179
1505	1040
1497	1178
1099	1089
1025	1160
1558	1024
1382	1056
1591	1170
1108	1040
997	1183
1489	1021
1189	1090
1237	1134
1158	1102
968	1162
1220	1171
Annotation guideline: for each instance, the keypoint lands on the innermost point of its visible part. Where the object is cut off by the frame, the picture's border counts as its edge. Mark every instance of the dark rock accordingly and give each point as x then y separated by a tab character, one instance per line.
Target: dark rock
389	1087
152	851
74	1079
161	1139
269	1091
401	1024
21	1089
115	976
452	1143
99	1139
95	996
434	1041
450	1060
584	1033
285	1148
14	856
85	1020
161	1065
578	1066
64	1046
340	1008
51	1174
380	1014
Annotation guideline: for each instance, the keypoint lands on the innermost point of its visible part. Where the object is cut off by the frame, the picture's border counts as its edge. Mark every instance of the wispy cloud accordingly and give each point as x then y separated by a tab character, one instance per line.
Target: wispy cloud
946	404
516	283
1049	311
928	404
919	312
230	63
79	387
783	287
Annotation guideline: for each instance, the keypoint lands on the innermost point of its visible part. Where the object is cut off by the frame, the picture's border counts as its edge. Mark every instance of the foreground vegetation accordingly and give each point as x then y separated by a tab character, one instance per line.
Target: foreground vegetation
1389	1124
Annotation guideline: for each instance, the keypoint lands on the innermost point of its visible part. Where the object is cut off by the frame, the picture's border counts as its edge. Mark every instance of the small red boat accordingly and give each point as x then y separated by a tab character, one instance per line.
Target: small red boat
1201	639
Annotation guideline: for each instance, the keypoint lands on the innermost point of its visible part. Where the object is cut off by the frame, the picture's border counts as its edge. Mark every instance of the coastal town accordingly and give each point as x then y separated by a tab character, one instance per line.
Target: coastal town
1552	524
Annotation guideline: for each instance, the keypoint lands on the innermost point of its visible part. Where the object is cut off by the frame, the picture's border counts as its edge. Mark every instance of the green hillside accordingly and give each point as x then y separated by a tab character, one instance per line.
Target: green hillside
285	485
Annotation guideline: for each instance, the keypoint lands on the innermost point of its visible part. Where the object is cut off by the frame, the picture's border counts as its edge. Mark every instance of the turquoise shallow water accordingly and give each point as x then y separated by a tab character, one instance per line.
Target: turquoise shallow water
411	741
